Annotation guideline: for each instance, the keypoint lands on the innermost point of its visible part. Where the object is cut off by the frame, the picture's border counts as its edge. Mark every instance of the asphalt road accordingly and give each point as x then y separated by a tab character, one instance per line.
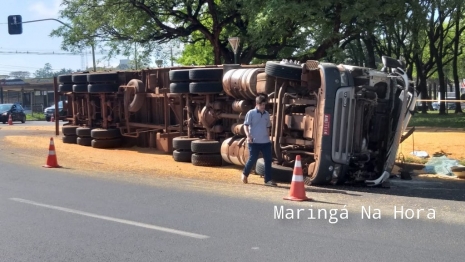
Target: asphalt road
60	215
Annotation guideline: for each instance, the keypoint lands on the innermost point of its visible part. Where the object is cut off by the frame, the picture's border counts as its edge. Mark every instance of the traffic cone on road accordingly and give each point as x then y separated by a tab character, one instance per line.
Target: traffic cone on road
10	120
297	191
52	161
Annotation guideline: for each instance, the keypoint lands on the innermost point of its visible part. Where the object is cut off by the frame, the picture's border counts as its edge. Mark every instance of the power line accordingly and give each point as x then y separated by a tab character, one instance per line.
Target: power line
37	53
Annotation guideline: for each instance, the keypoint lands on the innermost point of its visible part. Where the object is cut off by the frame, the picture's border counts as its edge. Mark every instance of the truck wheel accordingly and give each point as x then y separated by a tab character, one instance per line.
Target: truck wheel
84	141
179	88
64	88
181	75
106	143
139	95
291	72
206	146
69	139
278	173
183	143
80	88
79	78
102	77
102	88
69	130
105	133
65	79
182	156
206	74
83	131
206	159
205	87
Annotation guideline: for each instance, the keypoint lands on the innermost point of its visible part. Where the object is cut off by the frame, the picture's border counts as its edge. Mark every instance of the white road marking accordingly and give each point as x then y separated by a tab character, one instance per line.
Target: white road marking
123	221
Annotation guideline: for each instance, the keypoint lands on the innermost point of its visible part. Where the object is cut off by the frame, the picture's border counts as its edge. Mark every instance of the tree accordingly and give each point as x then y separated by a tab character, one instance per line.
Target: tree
459	27
20	74
47	72
198	53
268	29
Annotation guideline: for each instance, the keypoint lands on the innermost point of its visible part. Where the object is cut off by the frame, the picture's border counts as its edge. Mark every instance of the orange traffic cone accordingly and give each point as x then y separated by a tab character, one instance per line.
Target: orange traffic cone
297	192
10	120
52	157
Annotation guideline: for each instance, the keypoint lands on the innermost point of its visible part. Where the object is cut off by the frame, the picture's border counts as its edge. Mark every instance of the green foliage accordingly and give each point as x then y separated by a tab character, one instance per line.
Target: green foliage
198	53
20	74
433	119
47	72
356	31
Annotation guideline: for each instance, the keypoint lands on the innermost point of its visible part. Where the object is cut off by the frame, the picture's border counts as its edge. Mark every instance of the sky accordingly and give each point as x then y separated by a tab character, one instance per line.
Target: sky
36	38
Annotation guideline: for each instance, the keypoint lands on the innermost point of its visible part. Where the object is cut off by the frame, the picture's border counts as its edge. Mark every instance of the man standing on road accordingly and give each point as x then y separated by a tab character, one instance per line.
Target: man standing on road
256	124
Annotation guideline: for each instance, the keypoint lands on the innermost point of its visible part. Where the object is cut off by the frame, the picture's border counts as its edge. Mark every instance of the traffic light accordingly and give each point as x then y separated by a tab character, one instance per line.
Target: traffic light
15	25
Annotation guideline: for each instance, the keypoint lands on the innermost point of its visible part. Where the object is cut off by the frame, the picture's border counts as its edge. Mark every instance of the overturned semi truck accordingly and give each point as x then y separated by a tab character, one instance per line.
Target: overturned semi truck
346	122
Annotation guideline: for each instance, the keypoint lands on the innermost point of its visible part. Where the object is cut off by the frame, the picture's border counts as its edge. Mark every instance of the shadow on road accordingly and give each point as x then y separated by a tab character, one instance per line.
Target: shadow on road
422	187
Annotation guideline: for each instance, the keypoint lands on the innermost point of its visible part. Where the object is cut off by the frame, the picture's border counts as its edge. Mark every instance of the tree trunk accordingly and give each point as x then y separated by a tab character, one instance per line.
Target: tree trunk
458	108
421	80
368	40
423	93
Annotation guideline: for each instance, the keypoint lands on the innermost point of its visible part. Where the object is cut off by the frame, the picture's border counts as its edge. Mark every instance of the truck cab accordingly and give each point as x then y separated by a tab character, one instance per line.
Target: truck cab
346	122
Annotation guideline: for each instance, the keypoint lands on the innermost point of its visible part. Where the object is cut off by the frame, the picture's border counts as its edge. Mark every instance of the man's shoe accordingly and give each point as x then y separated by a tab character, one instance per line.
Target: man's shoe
270	183
244	179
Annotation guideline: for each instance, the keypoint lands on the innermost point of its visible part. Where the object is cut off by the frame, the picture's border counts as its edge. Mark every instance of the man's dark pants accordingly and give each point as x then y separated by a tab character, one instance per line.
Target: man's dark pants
254	150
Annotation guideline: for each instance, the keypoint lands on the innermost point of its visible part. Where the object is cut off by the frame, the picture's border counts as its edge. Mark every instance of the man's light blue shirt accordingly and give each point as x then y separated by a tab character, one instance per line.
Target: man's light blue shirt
258	123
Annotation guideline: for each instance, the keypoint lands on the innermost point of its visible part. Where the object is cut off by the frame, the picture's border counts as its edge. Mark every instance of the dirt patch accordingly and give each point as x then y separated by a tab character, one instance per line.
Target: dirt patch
34	141
140	161
449	143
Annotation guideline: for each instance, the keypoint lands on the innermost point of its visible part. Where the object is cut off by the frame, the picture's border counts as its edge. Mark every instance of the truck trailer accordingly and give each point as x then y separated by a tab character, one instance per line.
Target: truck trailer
346	122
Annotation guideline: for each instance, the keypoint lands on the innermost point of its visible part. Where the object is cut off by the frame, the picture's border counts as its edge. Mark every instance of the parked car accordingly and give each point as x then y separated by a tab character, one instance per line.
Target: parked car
15	110
49	111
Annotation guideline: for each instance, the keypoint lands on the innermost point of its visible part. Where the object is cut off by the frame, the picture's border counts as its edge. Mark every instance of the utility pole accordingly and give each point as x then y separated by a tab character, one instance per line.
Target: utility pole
135	54
171	55
93	57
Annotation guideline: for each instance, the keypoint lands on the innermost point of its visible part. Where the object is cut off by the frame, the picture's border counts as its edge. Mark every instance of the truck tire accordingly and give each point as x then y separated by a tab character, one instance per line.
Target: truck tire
183	143
290	72
102	88
139	95
65	79
69	139
105	133
205	87
106	143
83	131
206	159
80	88
278	173
69	130
179	88
182	156
102	78
181	75
206	146
206	74
84	141
79	78
64	88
